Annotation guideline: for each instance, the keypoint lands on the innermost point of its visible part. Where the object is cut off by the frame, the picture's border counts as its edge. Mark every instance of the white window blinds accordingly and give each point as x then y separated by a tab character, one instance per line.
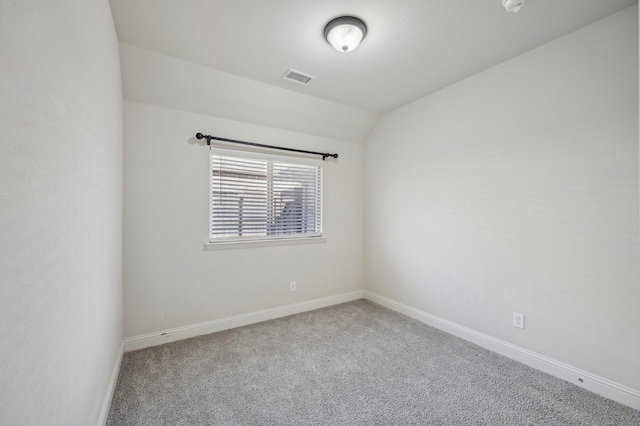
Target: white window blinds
257	197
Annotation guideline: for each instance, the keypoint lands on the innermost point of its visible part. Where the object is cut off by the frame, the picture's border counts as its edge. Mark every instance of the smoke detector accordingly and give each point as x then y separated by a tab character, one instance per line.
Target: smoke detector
512	5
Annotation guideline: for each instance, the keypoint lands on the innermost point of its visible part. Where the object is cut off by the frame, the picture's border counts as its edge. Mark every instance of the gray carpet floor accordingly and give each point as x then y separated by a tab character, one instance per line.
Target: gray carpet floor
351	364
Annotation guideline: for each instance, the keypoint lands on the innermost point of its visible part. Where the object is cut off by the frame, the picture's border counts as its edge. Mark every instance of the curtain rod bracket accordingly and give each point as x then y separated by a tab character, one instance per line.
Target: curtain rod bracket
209	137
201	136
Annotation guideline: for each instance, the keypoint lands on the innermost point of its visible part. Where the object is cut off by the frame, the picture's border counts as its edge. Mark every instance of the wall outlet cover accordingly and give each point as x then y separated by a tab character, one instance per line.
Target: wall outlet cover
518	320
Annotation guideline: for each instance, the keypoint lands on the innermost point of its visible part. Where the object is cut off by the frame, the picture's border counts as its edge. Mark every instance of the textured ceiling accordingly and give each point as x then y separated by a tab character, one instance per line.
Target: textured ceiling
413	48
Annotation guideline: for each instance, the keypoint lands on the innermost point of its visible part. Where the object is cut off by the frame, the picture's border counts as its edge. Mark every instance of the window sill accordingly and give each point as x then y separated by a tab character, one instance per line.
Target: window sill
227	245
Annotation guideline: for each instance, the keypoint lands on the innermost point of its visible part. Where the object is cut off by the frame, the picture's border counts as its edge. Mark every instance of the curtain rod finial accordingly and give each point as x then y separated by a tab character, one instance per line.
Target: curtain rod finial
201	136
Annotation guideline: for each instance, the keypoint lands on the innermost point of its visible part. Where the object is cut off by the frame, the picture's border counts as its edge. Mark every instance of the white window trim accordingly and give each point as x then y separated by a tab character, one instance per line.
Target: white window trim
266	156
235	244
274	240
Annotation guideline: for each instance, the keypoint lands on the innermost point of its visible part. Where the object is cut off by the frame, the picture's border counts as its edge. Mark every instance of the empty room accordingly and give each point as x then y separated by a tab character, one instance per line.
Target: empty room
299	212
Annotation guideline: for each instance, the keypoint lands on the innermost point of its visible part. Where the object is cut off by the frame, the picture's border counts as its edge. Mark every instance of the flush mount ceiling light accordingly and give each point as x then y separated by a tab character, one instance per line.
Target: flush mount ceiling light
345	33
512	5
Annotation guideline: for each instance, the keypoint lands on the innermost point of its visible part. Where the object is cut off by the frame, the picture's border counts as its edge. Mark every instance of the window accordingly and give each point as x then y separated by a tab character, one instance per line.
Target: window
259	196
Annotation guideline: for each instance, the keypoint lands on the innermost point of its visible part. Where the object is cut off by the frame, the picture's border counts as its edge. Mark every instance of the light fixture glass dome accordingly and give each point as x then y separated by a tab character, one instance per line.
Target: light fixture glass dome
345	33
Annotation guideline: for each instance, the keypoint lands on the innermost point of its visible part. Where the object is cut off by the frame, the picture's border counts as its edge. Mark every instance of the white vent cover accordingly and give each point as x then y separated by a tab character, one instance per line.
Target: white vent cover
297	77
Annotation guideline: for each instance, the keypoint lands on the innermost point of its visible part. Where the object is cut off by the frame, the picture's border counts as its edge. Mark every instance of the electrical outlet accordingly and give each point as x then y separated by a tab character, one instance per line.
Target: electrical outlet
292	286
518	320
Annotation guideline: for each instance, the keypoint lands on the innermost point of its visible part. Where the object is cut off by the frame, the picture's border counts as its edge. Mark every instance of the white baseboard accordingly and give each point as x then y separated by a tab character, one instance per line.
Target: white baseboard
596	384
106	405
180	333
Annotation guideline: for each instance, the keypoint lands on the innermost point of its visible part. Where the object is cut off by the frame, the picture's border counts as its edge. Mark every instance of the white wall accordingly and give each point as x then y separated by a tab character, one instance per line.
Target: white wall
170	280
516	190
60	210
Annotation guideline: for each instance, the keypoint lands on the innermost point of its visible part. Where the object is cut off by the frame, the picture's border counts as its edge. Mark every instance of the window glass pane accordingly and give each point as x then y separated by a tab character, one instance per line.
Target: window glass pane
257	199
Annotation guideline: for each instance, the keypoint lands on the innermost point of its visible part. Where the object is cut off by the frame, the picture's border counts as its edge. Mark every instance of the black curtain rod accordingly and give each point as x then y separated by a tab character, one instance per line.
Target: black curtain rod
209	137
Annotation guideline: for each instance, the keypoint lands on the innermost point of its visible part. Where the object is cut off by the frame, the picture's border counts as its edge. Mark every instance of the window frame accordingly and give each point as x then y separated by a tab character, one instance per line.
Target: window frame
265	240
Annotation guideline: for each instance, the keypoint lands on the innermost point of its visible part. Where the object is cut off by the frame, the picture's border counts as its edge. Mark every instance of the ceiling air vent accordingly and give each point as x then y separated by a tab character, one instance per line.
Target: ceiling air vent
297	77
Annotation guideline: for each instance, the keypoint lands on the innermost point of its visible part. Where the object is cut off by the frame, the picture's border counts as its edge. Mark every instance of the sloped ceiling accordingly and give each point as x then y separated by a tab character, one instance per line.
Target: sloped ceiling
226	58
414	47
